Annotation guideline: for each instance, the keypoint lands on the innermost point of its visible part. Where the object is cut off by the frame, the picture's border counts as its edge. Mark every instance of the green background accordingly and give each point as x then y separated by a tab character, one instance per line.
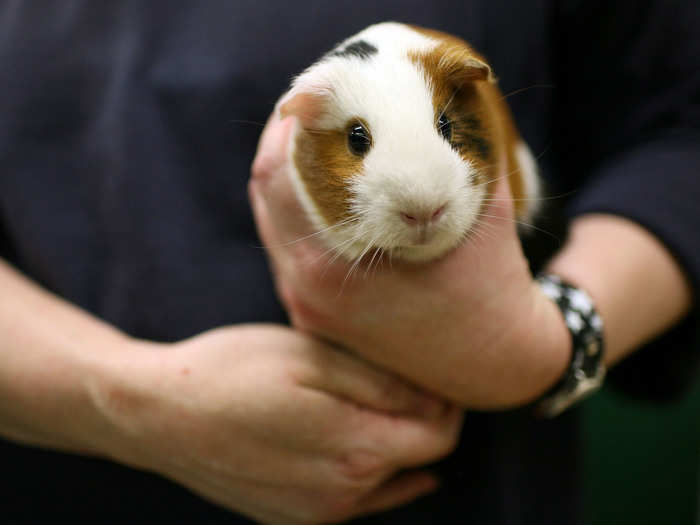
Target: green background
642	460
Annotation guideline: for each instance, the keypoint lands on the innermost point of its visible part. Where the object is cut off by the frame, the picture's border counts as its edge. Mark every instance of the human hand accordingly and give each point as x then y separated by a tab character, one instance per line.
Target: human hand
472	326
273	424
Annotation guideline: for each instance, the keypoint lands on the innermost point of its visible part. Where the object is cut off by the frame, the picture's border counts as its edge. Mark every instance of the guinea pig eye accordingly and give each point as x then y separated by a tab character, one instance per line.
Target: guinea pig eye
444	126
359	140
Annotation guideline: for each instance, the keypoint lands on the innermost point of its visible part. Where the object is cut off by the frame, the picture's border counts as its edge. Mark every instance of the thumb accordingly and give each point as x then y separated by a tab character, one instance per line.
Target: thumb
278	214
271	153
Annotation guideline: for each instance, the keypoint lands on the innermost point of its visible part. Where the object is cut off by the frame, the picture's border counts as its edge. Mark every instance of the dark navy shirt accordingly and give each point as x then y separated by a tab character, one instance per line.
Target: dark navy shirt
123	170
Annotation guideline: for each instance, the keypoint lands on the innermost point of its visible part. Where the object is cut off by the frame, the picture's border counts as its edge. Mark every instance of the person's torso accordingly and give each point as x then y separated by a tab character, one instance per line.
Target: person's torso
126	137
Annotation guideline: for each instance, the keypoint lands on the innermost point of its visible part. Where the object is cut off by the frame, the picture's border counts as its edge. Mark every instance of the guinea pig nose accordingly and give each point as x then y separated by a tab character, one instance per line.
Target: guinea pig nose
409	219
437	213
415	218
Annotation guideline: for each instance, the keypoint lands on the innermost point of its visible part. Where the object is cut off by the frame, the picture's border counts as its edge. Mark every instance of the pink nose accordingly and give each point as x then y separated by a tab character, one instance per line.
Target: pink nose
416	218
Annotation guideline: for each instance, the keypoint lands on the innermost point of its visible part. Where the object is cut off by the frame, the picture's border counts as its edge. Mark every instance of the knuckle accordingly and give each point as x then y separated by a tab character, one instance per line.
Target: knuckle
449	439
262	162
258	171
448	446
286	294
394	393
302	314
359	467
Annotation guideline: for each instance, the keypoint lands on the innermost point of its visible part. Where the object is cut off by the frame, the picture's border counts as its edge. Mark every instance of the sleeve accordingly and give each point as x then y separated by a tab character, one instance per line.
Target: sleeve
628	123
4	242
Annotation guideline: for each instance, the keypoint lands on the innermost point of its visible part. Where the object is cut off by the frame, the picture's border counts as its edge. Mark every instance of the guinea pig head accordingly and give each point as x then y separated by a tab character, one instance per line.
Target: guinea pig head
393	147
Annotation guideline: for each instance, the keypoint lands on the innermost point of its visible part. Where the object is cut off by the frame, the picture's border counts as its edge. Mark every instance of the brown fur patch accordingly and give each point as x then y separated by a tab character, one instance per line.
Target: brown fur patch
326	165
464	87
322	157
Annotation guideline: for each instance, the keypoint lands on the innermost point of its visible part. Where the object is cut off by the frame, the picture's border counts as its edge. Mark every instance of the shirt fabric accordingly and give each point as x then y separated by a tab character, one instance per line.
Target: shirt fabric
124	159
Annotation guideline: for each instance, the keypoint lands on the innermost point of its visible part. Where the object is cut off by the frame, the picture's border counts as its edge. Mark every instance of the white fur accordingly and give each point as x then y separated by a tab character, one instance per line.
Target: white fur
409	168
531	180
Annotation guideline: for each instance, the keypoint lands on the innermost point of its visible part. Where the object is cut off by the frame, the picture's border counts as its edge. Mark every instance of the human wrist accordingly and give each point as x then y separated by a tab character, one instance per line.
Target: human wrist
529	356
46	399
124	391
586	369
638	287
549	347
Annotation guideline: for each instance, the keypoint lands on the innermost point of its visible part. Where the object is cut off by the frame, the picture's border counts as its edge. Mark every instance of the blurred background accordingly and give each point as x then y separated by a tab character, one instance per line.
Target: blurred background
642	460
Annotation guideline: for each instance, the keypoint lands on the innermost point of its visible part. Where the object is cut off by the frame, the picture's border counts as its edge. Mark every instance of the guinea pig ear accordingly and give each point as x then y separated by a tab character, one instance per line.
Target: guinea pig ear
472	69
307	107
452	59
307	100
460	67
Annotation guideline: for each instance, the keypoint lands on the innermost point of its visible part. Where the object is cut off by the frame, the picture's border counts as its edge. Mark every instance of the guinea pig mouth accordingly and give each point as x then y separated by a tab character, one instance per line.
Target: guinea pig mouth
422	237
423	234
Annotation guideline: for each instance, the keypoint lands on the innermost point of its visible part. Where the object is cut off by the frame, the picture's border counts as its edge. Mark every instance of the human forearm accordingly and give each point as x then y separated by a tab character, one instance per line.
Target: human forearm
227	413
52	356
639	289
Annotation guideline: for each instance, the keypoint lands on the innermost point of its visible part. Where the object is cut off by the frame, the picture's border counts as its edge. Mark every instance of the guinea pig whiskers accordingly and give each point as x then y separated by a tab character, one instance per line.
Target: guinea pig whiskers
475	239
534	86
251	122
482	231
345	245
380	261
319	232
500	205
379	251
358	259
530	199
437	121
289	243
495	179
339	250
500	177
522	223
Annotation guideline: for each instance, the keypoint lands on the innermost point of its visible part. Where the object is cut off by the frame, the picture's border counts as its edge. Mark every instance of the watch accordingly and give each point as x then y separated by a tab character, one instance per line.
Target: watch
586	369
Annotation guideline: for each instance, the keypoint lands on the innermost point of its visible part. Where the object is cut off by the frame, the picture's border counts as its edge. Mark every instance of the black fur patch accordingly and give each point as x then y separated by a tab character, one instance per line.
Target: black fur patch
481	145
359	48
469	134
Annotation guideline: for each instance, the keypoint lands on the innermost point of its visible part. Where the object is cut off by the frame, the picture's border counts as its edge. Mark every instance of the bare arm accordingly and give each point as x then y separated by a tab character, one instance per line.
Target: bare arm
228	413
639	289
52	355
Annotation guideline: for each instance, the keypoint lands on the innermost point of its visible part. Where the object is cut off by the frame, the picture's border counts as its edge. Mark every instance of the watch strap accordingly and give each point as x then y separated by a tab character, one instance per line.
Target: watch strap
586	369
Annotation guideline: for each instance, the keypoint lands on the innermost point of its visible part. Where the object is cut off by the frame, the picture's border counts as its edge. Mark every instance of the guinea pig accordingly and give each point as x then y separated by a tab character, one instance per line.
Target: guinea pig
401	134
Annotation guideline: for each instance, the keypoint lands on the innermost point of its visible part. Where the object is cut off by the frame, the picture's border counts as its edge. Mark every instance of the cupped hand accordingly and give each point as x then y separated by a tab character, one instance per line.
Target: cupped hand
472	325
268	422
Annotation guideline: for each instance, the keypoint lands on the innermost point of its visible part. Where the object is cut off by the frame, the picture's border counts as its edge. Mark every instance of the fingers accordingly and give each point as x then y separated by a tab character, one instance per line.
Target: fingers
397	492
272	147
408	425
270	168
301	454
352	378
279	216
403	425
409	442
